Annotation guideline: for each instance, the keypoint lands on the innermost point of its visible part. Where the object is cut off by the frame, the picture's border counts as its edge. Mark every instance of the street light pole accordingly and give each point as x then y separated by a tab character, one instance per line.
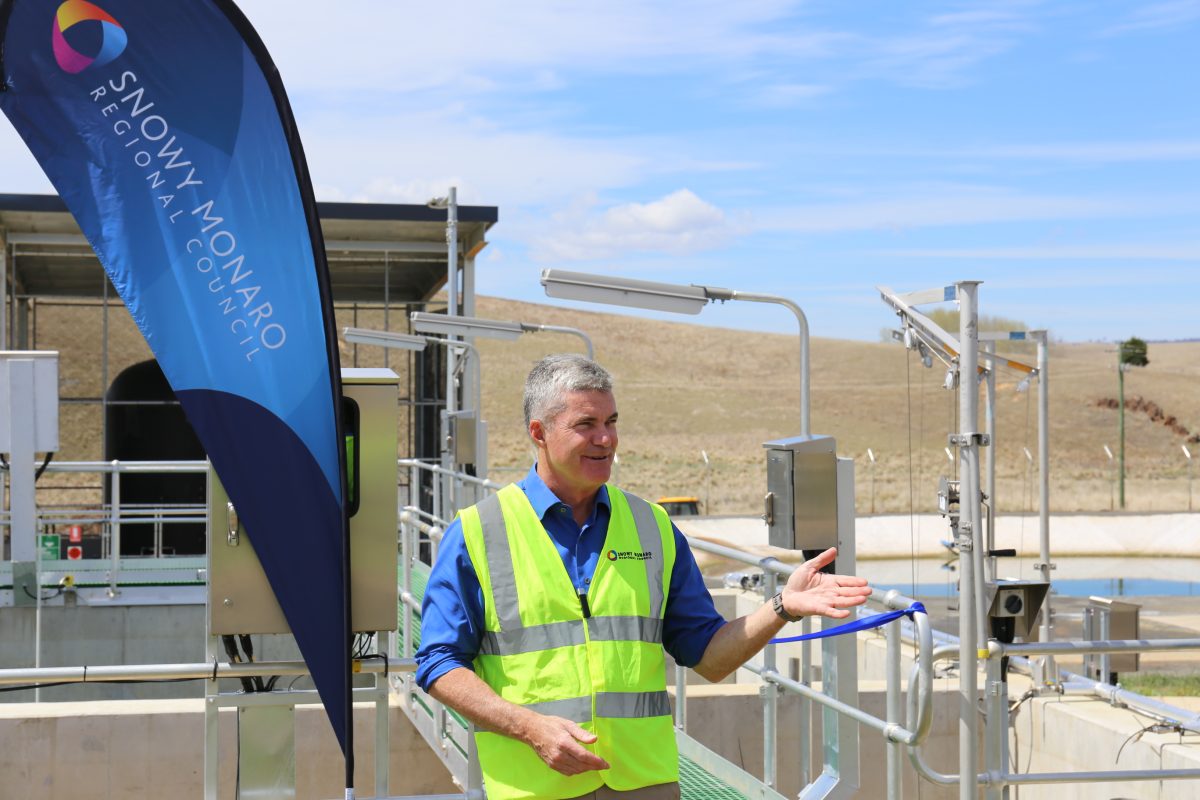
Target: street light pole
680	299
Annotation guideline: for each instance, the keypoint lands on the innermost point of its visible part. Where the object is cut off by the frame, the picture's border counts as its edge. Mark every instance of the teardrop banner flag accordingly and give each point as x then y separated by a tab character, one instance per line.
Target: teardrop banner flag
166	130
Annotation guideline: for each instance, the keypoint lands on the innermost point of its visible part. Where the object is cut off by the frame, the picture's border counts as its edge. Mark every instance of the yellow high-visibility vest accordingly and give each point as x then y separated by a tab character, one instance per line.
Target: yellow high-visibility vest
597	662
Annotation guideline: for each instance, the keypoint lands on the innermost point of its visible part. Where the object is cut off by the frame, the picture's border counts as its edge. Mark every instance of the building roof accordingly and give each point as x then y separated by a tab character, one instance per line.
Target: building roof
376	251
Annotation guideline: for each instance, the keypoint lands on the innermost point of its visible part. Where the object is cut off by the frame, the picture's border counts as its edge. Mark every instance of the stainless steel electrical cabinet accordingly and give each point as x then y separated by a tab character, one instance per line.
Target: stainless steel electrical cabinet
801	507
241	601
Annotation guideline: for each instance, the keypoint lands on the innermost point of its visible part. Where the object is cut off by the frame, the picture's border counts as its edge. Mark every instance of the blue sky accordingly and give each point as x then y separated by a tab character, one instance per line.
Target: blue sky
811	149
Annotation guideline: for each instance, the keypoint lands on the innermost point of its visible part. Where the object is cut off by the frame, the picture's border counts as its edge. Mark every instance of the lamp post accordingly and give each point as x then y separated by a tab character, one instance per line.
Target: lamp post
1130	353
676	298
450	204
502	330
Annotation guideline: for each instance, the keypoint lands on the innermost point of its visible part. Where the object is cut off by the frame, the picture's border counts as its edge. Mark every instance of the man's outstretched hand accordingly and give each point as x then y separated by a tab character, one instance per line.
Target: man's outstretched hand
810	592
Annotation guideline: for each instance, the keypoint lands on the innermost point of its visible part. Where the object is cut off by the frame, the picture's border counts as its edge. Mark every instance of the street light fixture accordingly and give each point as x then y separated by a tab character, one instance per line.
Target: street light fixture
676	298
652	295
488	328
388	339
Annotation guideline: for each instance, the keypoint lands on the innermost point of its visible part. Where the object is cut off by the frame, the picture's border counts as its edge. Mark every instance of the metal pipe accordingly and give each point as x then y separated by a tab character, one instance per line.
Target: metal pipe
920	720
1115	695
1103	646
114	536
996	729
1045	567
989	349
587	340
193	671
803	321
968	518
770	695
1110	776
895	786
805	704
406	559
681	697
890	731
451	356
128	466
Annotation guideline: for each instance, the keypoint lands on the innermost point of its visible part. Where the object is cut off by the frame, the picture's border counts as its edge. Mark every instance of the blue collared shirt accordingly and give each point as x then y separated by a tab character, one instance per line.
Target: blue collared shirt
452	611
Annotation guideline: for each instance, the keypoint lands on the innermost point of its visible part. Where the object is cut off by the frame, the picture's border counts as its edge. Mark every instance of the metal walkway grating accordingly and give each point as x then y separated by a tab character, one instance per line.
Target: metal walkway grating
695	783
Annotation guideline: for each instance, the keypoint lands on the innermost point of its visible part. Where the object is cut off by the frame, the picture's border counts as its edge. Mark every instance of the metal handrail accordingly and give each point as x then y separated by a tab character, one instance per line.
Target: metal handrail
995	651
174	672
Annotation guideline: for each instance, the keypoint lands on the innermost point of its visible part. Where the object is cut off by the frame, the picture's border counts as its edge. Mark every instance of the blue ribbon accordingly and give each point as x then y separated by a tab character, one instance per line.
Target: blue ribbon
863	624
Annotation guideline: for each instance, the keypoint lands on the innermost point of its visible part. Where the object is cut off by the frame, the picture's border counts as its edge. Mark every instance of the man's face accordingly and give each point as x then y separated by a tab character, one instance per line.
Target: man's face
577	446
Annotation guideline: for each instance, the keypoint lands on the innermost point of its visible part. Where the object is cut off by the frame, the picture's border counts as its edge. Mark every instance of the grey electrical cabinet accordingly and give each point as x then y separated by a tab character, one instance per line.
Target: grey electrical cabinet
241	601
801	504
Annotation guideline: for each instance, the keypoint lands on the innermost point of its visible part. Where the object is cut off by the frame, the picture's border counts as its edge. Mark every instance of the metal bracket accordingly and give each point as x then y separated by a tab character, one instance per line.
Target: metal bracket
968	439
1039	565
231	536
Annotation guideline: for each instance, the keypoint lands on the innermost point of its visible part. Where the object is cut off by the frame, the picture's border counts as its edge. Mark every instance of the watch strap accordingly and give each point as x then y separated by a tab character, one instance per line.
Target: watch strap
777	604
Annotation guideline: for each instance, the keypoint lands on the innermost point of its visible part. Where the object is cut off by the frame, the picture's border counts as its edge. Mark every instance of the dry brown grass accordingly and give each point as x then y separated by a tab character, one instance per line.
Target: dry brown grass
684	388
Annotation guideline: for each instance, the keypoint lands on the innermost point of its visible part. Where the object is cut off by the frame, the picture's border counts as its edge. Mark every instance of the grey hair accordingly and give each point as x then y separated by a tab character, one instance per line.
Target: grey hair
555	376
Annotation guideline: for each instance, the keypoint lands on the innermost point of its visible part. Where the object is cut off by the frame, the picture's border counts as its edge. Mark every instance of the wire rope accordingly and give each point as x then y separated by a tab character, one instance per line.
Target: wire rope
912	537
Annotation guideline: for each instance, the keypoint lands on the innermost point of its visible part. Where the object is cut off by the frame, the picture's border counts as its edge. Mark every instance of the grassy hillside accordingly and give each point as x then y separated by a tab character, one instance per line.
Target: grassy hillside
683	388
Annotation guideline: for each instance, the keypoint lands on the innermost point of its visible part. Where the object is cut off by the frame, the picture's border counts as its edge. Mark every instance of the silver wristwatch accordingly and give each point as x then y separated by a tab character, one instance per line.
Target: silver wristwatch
777	604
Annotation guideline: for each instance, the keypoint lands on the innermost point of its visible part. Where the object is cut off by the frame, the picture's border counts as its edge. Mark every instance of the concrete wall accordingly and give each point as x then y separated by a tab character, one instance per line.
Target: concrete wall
1071	734
74	636
136	749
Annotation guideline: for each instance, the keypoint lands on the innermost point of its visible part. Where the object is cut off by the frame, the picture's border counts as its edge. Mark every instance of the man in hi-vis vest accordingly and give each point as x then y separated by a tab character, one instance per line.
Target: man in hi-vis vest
547	612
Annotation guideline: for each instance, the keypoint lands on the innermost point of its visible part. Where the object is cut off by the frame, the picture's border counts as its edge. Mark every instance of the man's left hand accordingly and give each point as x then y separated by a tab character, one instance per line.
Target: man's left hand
810	592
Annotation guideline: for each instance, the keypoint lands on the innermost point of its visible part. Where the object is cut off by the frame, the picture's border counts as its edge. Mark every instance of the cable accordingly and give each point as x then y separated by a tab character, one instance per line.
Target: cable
236	658
912	536
248	649
45	463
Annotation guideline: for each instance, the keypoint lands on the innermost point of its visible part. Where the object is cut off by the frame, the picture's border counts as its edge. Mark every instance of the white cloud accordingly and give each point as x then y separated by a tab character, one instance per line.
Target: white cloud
1090	252
679	223
1099	152
940	53
401	47
21	173
964	206
1158	16
412	158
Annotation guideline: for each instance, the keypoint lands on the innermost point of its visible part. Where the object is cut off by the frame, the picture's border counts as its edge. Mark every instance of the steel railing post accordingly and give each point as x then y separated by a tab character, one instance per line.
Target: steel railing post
770	695
895	785
114	536
681	697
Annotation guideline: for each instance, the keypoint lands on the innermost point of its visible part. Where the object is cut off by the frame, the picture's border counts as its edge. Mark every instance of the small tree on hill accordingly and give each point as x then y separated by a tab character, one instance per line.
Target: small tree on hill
1133	352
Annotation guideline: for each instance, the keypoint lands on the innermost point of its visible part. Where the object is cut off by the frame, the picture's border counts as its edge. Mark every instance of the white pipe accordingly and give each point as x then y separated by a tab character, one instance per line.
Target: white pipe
969	540
1043	361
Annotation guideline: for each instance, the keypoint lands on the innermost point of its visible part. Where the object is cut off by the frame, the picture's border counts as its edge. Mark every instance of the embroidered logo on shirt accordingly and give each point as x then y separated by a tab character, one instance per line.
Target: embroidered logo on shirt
630	555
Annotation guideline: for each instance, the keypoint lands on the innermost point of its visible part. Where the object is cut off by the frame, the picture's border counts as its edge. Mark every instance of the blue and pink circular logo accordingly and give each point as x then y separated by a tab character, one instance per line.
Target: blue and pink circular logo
86	35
